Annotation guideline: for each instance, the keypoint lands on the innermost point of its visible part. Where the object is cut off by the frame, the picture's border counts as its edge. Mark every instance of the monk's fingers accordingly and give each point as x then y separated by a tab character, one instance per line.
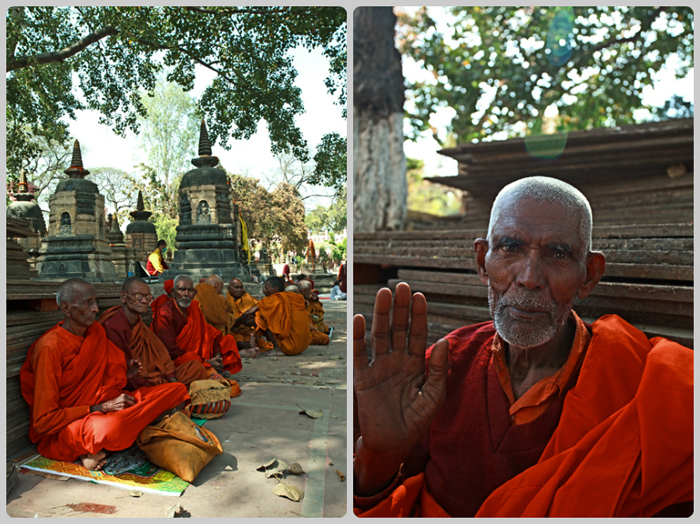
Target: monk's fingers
418	336
380	323
399	317
359	346
435	386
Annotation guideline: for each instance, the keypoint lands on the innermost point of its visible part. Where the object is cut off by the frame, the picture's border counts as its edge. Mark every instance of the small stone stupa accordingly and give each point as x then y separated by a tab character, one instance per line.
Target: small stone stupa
141	235
76	245
122	255
24	208
207	238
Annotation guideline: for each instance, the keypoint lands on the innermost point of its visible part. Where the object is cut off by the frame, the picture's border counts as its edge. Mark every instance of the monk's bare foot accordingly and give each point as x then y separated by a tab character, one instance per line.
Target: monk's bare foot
94	462
249	353
274	352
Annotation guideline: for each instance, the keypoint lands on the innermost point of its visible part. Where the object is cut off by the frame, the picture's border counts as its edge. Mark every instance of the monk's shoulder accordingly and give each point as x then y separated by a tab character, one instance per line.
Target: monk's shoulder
56	345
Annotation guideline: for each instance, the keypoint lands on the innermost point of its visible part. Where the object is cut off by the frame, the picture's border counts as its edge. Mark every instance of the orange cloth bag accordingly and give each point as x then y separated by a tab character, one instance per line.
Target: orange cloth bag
210	398
179	445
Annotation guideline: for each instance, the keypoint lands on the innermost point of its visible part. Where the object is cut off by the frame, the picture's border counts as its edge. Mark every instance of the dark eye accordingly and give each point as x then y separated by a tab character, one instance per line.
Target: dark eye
561	255
508	248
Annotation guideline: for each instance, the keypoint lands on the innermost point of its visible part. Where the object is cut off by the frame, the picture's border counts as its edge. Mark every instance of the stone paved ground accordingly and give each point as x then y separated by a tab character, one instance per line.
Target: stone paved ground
264	422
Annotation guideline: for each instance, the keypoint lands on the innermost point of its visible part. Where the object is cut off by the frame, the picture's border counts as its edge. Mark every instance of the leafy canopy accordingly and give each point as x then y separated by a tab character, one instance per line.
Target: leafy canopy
116	50
498	66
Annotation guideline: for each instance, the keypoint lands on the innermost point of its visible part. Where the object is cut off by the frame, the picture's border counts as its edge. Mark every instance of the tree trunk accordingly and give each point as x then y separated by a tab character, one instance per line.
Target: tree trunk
379	172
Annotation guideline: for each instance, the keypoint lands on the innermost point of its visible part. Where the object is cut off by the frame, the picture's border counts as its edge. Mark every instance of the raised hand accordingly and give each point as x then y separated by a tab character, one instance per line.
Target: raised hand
396	402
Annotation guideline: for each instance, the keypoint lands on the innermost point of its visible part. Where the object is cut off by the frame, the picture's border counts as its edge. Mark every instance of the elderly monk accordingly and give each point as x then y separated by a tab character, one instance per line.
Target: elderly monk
536	413
125	329
73	380
181	326
162	299
212	303
241	301
282	317
313	305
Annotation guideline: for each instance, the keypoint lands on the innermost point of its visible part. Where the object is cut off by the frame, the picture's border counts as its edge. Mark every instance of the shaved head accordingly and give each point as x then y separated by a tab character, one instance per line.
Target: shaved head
71	290
216	282
235	288
546	189
131	281
292	289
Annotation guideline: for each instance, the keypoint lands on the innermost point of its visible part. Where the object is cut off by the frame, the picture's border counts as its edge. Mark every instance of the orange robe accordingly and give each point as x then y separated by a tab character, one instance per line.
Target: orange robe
623	446
146	347
242	333
197	338
214	307
315	308
284	314
64	374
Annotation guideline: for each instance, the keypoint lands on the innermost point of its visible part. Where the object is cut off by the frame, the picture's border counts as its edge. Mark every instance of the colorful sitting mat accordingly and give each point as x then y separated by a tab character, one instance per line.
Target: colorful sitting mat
128	469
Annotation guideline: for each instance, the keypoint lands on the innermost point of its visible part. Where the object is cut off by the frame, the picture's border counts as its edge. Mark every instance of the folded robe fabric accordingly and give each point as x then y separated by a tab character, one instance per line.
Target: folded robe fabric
214	306
147	348
314	307
623	446
241	332
284	314
64	375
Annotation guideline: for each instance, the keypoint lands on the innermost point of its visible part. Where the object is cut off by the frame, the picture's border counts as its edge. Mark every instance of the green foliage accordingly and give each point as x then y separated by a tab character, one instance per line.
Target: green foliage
331	160
427	197
340	251
166	229
116	51
333	219
501	66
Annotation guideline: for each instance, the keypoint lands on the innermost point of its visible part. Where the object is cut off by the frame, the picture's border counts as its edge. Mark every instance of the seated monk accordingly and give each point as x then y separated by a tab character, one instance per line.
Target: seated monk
125	329
73	380
313	306
318	338
181	326
212	303
159	301
282	317
240	301
306	278
533	414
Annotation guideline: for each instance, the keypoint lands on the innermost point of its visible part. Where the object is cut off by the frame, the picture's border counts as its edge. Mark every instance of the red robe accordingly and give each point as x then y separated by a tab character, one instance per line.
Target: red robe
623	446
64	374
192	338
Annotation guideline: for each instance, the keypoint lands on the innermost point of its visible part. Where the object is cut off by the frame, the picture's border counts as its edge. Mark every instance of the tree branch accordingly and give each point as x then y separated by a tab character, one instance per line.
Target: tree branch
62	54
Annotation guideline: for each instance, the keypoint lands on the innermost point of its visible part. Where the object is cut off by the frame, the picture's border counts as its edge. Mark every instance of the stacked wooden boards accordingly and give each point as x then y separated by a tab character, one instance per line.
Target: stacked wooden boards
32	310
648	280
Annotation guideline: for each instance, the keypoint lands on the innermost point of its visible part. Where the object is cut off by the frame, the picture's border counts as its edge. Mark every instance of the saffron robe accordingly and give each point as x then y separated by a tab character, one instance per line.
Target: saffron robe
162	299
64	375
141	343
284	314
315	309
191	338
241	332
214	307
623	446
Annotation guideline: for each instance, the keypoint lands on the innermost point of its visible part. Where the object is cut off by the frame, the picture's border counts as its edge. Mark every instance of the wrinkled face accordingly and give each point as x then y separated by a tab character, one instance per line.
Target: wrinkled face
535	265
235	288
306	292
184	292
137	298
269	289
83	309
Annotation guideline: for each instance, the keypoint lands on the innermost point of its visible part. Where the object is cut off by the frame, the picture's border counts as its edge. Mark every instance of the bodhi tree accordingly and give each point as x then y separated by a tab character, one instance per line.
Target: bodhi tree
499	68
115	51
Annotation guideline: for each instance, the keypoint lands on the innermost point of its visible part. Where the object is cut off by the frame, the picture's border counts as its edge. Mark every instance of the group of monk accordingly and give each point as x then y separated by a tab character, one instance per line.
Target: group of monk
93	385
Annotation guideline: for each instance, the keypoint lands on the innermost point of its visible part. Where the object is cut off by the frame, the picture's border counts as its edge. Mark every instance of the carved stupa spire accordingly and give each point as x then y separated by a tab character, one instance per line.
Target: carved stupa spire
76	164
140	213
22	194
139	202
205	157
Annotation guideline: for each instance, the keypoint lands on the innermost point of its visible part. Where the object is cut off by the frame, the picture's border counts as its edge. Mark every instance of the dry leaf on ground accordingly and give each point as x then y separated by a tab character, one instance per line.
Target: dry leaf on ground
296	469
273	468
340	475
290	492
135	493
310	412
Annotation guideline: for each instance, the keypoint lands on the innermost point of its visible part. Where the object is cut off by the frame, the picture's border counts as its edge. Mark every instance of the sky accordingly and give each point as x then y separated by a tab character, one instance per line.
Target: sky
104	148
426	148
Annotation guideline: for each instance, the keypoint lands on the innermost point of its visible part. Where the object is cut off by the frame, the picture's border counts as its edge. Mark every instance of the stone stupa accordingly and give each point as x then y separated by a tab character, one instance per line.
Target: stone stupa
76	245
26	209
207	238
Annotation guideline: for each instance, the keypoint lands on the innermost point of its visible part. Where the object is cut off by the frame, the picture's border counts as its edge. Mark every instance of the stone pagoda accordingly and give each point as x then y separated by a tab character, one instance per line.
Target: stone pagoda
122	255
207	238
76	245
24	208
141	234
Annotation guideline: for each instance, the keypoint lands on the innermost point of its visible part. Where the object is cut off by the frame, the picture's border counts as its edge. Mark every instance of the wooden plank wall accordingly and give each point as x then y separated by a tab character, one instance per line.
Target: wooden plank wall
648	281
25	324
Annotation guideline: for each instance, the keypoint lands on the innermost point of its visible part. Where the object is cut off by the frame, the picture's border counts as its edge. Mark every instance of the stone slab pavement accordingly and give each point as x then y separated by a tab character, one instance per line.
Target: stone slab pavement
263	423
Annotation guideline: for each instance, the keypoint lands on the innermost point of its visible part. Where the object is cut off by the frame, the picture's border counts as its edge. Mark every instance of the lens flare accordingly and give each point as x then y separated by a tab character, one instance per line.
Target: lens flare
560	36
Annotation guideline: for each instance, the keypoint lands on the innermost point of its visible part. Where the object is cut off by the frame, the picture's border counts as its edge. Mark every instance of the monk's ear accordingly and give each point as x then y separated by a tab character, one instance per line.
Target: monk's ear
123	297
481	247
595	268
64	307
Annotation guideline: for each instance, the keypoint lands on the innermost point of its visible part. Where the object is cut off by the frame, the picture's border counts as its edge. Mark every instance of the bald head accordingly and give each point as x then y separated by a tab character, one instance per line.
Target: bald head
132	282
305	288
292	289
235	288
546	189
216	282
72	289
